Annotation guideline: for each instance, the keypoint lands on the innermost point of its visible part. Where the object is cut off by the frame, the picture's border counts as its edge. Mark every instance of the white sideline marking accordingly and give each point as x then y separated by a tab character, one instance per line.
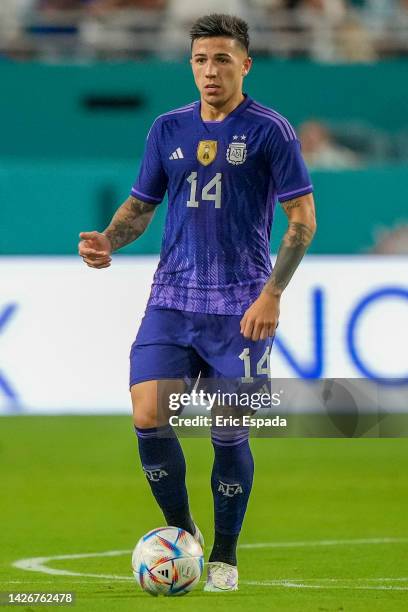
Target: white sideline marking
73	582
38	564
291	584
324	543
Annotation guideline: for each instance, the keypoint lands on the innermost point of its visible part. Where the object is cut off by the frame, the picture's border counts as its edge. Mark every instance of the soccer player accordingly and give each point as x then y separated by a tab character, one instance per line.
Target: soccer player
224	161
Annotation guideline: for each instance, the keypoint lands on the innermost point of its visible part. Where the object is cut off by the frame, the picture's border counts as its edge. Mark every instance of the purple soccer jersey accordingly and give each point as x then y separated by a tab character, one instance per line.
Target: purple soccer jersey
223	180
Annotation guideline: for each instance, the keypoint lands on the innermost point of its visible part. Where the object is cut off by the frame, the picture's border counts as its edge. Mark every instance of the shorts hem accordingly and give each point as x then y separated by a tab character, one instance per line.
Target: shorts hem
140	379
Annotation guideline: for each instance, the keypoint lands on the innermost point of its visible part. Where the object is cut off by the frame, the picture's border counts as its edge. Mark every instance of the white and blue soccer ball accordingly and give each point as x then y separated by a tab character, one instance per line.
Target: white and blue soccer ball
167	561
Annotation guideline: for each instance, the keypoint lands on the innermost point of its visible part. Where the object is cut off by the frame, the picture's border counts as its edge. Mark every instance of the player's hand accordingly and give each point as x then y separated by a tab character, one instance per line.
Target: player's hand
261	319
95	249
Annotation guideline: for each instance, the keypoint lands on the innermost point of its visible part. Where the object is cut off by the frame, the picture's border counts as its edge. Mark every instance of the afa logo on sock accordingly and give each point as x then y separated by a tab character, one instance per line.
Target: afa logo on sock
155	475
229	490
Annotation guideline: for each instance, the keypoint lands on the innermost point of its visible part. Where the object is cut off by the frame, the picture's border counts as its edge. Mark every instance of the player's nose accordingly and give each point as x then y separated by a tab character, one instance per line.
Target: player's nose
211	70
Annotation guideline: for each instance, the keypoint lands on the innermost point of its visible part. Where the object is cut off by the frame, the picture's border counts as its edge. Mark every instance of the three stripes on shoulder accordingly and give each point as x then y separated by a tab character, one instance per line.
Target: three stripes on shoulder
177	154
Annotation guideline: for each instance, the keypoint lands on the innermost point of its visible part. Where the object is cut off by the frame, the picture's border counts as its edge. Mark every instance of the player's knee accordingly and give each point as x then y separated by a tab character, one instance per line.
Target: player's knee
143	419
151	404
143	423
144	405
146	414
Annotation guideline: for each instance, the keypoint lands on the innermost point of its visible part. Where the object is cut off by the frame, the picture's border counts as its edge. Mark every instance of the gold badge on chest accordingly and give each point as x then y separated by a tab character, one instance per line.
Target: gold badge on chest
206	151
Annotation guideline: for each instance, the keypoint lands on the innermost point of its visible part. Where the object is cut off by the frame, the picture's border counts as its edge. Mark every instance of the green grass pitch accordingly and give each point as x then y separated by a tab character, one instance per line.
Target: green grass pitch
326	528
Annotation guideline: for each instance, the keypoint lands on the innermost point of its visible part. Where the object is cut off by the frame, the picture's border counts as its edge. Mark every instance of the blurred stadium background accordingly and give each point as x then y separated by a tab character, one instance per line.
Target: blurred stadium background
81	82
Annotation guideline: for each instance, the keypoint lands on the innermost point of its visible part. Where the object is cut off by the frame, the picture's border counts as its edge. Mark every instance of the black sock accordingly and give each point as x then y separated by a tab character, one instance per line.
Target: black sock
165	469
231	482
225	548
180	517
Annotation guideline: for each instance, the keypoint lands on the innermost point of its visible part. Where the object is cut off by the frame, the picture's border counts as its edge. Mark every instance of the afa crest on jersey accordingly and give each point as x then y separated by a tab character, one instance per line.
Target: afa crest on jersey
206	151
237	153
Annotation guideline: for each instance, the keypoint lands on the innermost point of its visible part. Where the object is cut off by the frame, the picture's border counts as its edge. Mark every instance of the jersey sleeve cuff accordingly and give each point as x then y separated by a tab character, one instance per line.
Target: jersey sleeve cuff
145	197
289	195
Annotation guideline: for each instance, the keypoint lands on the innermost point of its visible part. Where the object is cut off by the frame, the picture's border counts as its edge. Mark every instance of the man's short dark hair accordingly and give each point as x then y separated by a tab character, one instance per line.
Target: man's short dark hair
221	25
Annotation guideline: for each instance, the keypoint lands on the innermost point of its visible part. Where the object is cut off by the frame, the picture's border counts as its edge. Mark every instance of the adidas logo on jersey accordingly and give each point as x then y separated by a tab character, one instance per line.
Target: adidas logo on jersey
177	154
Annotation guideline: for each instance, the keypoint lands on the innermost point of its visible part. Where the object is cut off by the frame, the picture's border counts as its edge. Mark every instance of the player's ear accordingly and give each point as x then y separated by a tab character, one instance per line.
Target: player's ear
246	67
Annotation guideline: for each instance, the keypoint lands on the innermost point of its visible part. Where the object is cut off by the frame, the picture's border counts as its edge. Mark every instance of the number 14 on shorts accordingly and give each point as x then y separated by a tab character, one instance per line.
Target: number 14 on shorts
262	367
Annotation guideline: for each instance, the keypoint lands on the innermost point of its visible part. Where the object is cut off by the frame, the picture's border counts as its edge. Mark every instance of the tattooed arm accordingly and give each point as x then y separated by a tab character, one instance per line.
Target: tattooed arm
261	318
128	223
300	232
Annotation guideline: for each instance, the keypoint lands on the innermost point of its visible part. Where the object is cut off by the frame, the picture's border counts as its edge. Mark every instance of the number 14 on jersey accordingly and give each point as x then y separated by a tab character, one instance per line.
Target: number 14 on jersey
214	184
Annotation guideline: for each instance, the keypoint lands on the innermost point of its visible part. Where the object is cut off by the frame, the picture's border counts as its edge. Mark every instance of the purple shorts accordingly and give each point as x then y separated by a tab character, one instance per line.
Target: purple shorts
178	344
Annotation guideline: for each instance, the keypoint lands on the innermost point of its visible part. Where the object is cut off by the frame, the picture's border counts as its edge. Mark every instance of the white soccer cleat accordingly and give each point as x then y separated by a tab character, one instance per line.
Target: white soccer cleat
221	577
199	536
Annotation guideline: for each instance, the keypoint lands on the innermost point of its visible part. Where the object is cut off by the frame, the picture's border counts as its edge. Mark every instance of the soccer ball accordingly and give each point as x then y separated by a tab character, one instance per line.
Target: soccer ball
167	561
